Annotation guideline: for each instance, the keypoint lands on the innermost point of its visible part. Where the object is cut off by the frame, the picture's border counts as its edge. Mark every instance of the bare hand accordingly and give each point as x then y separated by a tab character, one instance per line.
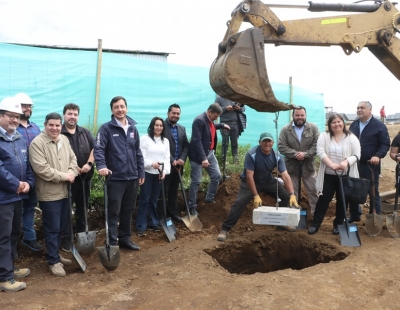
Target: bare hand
344	164
236	107
141	181
180	162
70	177
300	155
104	172
227	126
26	187
336	167
374	160
85	169
156	166
205	163
229	108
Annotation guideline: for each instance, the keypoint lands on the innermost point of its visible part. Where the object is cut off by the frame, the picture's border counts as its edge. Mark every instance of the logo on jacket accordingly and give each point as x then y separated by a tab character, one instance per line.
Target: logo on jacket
132	135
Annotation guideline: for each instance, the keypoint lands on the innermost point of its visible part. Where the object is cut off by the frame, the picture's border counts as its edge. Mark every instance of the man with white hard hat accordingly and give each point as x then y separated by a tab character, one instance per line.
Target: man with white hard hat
16	178
29	130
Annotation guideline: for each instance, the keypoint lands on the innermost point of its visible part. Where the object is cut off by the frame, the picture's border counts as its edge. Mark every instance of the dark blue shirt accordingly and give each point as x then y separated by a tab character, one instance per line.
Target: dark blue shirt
30	132
174	132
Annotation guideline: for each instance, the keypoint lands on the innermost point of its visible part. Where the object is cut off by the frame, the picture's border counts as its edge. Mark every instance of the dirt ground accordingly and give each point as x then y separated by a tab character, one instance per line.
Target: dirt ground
258	267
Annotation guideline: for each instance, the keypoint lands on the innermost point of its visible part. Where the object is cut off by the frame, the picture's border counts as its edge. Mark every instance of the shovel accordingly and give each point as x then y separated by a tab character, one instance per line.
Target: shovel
392	220
303	212
373	221
348	232
73	250
224	151
85	242
166	223
108	254
191	221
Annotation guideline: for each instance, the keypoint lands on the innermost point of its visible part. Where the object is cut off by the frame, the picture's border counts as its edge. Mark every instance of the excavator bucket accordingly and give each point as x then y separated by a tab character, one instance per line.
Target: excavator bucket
239	73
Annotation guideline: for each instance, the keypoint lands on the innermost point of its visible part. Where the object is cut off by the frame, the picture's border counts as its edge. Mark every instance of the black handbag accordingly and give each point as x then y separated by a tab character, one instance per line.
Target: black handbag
355	189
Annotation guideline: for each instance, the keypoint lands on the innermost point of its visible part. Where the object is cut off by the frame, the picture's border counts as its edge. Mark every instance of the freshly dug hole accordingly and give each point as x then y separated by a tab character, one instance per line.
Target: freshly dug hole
276	252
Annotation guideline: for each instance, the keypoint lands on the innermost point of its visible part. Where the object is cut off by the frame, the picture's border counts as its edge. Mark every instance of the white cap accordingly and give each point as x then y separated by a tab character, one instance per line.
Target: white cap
11	105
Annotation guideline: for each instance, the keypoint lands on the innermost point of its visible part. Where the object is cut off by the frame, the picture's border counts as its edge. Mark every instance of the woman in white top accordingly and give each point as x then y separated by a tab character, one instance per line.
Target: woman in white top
155	150
337	149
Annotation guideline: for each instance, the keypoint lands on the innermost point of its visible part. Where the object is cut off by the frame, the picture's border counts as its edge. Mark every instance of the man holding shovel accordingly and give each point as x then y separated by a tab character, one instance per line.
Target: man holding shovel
375	143
54	164
298	143
118	156
257	177
82	143
179	148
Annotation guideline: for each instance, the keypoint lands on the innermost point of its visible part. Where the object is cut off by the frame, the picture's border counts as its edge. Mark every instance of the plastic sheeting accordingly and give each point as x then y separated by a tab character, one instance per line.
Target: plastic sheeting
55	77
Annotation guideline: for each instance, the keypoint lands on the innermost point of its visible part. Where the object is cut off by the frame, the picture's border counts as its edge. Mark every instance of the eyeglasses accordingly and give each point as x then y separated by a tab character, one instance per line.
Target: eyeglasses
26	106
12	117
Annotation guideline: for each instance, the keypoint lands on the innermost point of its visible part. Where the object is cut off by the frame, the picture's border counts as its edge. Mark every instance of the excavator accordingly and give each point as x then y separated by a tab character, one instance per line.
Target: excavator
239	72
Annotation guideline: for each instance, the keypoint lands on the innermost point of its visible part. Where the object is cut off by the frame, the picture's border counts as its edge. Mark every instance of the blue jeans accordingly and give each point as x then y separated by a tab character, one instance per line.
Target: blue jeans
149	193
10	223
196	174
365	172
55	217
121	203
28	216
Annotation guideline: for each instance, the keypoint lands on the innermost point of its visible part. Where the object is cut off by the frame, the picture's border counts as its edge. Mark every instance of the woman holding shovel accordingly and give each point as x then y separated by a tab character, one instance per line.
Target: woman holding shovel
337	149
155	150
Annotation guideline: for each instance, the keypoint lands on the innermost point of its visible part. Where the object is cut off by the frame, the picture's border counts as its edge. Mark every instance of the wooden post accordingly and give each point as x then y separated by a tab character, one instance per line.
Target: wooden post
98	78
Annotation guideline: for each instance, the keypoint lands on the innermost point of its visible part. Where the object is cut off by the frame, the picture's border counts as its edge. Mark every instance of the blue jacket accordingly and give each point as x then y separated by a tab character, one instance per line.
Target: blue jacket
200	143
14	167
119	152
374	139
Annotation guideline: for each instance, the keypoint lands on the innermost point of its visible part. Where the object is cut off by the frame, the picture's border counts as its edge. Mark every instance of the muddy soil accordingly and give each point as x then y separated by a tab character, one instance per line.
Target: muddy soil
258	267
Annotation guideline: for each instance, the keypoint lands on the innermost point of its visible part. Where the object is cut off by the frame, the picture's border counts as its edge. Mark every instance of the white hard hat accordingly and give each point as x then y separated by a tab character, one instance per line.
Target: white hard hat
11	105
23	98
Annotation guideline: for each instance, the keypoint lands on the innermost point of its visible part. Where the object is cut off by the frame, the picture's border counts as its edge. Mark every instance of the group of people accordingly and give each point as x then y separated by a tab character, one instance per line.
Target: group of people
356	151
56	164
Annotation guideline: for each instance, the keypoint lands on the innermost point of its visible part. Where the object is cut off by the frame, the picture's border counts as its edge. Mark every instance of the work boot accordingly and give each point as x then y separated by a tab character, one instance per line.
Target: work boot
21	273
65	244
193	212
33	245
223	235
175	217
57	270
65	261
11	285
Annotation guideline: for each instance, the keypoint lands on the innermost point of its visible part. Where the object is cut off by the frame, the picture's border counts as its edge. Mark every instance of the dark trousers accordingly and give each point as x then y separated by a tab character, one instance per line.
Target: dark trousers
331	186
79	199
10	228
121	203
171	187
233	136
245	195
147	209
28	215
365	173
55	217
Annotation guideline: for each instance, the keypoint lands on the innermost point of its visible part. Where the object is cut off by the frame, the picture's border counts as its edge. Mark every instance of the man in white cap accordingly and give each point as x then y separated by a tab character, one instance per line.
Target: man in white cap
29	130
16	178
257	177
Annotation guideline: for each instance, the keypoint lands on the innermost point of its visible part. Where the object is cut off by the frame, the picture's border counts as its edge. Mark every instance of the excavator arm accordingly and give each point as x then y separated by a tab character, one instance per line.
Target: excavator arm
239	72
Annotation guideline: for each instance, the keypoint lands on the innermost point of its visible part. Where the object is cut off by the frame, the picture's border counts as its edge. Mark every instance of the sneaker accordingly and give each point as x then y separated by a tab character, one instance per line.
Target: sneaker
193	212
12	286
33	245
57	270
65	244
223	235
141	233
21	273
154	228
287	228
210	201
65	261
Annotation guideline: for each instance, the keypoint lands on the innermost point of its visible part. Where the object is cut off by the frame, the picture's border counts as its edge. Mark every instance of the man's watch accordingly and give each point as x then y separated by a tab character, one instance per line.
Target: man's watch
90	163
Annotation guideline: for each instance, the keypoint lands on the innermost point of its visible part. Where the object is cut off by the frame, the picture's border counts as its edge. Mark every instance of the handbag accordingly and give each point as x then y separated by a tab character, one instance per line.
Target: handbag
355	189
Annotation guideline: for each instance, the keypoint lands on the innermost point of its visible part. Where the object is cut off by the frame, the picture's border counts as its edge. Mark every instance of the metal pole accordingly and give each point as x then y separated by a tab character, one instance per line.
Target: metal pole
99	60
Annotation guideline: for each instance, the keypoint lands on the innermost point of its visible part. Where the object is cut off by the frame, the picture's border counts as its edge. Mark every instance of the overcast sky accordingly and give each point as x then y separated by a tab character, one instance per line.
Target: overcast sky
191	30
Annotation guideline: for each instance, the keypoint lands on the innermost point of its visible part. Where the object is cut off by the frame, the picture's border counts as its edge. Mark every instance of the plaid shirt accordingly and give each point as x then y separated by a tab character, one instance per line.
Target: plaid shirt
30	132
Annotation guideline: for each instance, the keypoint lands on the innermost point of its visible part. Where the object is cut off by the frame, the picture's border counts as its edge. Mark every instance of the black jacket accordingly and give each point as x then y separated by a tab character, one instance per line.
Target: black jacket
200	142
183	143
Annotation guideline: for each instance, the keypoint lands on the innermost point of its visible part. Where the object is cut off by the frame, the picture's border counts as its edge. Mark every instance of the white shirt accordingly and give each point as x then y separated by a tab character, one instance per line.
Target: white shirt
155	151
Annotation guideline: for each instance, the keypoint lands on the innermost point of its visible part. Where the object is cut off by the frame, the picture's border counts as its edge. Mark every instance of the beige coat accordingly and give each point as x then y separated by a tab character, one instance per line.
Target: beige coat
289	145
50	162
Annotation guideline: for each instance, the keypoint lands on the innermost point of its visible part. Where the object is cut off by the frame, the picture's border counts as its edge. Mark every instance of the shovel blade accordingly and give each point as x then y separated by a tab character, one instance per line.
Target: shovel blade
373	224
109	256
303	220
193	223
78	258
393	225
169	228
349	237
85	242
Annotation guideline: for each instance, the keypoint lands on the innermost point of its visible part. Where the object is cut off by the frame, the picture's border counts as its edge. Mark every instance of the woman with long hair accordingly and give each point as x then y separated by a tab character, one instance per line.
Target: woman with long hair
155	150
337	149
